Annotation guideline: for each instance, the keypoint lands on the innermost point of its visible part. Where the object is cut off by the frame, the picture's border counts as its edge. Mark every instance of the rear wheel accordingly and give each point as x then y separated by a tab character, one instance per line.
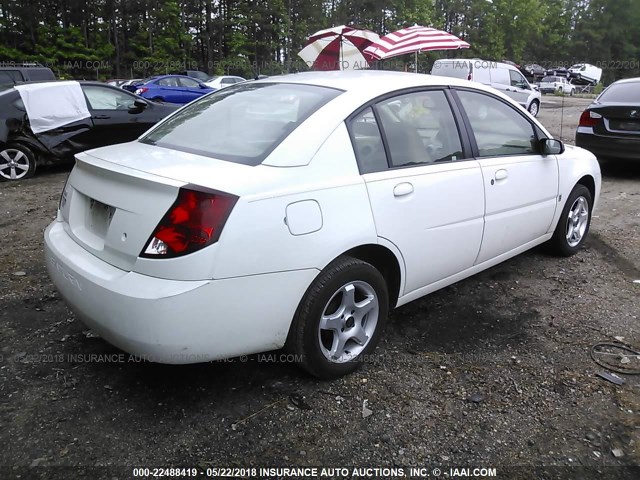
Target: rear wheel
17	162
573	226
340	318
158	99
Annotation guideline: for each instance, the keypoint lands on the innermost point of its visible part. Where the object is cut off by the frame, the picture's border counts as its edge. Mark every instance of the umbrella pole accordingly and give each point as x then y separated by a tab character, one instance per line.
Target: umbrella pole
415	62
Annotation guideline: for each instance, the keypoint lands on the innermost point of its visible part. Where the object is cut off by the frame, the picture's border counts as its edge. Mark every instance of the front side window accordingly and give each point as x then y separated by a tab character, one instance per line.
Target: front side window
242	123
189	83
517	80
499	129
101	98
419	128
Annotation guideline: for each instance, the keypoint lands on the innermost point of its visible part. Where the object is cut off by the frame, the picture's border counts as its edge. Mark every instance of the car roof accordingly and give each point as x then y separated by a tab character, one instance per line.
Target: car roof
627	80
157	77
374	82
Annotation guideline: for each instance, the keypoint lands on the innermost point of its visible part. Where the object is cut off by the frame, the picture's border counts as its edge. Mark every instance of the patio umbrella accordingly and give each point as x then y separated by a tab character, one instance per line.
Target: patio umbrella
338	48
413	40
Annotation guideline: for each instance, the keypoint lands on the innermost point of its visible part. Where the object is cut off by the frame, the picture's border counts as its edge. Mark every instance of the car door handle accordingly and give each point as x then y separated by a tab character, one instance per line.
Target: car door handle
402	189
501	174
102	117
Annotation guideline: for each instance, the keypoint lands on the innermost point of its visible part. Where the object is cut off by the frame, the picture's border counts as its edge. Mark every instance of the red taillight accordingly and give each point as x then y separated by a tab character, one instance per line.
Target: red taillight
194	221
589	119
141	90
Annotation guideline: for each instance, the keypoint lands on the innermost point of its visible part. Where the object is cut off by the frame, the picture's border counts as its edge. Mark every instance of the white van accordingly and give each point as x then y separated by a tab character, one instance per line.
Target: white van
501	76
586	72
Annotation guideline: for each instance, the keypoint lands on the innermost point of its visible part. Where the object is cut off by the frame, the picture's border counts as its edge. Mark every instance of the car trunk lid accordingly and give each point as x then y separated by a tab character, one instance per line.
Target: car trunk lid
111	208
618	120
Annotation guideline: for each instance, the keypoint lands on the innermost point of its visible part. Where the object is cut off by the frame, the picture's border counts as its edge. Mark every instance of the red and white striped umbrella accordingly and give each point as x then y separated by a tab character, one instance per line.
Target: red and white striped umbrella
412	40
338	48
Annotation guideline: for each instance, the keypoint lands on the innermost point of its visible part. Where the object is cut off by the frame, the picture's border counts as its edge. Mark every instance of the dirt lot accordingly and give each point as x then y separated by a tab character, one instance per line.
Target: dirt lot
494	371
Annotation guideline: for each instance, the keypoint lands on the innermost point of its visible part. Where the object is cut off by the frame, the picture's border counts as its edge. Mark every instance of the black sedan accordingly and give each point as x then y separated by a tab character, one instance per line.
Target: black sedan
115	116
610	126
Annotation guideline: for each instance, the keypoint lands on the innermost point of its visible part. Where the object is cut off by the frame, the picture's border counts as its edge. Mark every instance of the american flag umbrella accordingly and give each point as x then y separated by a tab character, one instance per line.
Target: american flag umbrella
413	40
338	48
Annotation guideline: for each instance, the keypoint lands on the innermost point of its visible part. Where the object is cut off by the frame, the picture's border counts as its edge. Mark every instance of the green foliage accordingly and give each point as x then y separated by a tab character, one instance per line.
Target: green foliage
99	38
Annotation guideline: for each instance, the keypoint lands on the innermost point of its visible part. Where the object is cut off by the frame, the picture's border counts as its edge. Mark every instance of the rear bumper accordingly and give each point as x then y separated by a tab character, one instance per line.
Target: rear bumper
171	321
608	147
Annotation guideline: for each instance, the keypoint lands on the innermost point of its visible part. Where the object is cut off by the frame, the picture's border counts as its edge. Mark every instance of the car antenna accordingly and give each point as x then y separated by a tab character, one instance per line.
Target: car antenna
562	115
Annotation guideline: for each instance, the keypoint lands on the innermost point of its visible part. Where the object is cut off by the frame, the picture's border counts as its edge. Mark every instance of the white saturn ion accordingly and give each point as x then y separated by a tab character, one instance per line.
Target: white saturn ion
296	211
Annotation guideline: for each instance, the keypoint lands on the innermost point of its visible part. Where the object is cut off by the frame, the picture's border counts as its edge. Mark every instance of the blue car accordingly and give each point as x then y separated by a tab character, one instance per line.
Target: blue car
172	89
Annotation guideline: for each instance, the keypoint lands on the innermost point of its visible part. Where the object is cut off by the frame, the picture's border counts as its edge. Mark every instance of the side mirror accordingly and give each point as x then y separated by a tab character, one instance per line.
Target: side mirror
202	85
138	106
551	146
536	88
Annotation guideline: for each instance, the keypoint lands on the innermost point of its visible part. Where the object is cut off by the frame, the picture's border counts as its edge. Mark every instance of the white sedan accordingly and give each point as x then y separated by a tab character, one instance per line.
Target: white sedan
317	203
223	81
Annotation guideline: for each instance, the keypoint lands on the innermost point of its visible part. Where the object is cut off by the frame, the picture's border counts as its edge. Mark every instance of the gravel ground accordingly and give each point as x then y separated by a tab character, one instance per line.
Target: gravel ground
494	371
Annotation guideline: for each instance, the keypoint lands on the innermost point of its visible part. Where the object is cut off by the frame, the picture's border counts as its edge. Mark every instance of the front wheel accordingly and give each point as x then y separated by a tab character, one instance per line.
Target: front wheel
534	108
340	319
573	226
17	162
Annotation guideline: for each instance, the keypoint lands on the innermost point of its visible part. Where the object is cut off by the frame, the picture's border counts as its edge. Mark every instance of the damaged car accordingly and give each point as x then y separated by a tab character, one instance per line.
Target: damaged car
52	121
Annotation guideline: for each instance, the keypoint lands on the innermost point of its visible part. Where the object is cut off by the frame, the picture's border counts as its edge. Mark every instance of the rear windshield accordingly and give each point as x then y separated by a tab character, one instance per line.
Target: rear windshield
453	68
36	74
241	123
622	93
550	79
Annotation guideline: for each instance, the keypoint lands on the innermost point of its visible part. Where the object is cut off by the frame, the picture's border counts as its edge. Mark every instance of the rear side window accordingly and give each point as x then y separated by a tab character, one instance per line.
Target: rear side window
367	142
168	82
242	123
10	77
498	128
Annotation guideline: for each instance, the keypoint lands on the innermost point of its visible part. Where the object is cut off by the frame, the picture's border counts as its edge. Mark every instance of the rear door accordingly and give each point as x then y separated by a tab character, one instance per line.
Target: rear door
169	90
427	198
520	185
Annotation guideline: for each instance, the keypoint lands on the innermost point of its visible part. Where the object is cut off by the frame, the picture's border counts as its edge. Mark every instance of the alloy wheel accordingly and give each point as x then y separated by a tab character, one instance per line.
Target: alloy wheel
348	321
14	164
577	221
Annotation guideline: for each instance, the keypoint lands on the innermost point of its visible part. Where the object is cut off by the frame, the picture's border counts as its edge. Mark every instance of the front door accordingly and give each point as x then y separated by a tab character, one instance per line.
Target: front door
520	184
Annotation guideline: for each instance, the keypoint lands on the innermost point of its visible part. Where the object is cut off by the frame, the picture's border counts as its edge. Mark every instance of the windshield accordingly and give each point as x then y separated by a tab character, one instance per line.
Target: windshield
241	123
622	93
550	79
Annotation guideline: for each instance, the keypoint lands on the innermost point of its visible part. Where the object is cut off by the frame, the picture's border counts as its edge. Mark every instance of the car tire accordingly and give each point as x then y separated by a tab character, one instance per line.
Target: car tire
158	99
574	223
17	162
534	108
333	329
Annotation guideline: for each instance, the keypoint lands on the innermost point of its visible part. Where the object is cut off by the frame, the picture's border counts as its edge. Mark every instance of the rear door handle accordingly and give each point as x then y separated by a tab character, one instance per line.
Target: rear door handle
101	117
501	174
402	189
